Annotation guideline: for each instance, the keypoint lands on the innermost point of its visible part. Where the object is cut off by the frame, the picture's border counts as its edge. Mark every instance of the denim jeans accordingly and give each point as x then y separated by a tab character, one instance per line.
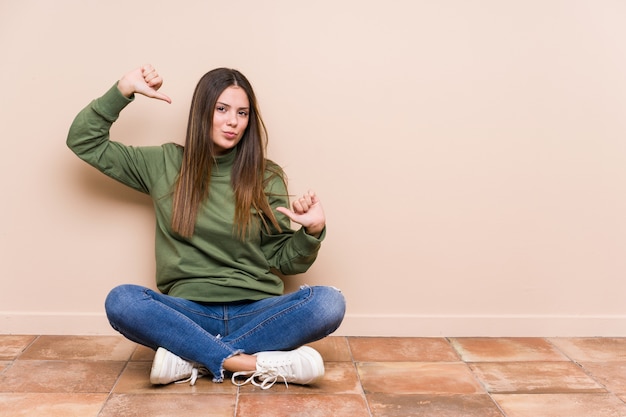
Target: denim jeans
210	333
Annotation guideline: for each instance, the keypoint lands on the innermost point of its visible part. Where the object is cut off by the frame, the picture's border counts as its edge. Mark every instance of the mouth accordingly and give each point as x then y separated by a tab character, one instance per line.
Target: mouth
230	135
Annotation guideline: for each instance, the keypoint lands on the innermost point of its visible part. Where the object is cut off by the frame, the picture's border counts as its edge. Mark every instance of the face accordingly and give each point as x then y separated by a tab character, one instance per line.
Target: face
230	119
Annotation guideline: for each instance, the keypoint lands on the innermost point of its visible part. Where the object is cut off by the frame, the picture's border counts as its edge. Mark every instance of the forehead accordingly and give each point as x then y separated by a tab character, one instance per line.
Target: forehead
234	96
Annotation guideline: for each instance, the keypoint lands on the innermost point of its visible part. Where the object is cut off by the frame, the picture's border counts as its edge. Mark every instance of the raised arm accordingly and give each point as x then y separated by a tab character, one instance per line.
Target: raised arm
89	133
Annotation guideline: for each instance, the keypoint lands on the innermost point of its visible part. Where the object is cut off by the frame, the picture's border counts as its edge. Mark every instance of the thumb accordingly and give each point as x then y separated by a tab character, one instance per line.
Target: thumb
286	212
152	93
161	96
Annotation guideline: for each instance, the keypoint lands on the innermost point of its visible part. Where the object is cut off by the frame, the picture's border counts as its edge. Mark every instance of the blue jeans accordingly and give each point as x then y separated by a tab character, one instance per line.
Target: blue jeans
210	333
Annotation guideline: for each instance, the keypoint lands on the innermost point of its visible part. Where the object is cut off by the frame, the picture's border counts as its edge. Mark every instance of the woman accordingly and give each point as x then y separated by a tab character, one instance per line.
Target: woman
222	228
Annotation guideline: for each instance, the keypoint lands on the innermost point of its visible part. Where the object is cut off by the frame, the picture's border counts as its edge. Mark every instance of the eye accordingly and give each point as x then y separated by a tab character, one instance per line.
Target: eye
220	108
243	113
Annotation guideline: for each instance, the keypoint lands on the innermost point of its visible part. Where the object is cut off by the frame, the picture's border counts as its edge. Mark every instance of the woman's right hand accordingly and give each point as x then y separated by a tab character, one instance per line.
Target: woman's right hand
144	80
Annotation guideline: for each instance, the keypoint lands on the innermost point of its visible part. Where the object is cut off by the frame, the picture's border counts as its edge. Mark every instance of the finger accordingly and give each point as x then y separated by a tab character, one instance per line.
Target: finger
306	200
286	212
147	69
151	76
314	199
297	207
154	80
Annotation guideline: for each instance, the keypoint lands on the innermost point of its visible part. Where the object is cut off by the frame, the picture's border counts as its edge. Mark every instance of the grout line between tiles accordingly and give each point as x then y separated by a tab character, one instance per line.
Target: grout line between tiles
358	375
482	384
32	342
16	357
117	380
456	352
586	371
478	380
579	365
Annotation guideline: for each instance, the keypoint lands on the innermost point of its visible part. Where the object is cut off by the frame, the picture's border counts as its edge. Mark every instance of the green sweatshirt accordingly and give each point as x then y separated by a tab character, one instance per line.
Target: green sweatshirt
214	265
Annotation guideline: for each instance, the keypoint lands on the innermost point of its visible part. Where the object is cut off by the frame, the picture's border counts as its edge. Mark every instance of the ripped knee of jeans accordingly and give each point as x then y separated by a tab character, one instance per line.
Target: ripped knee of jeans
305	286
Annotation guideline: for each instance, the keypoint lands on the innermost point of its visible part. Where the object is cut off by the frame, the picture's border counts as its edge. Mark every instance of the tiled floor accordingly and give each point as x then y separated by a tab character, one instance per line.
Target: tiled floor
471	377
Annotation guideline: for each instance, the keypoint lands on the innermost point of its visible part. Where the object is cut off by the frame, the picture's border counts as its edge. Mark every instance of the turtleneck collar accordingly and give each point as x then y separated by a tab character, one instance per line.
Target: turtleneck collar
223	164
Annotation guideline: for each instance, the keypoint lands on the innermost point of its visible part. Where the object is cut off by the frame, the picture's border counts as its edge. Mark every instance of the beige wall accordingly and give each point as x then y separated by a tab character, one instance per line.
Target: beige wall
470	154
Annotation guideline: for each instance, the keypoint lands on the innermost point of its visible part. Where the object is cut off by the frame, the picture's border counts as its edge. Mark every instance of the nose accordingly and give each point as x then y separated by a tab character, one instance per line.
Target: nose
232	119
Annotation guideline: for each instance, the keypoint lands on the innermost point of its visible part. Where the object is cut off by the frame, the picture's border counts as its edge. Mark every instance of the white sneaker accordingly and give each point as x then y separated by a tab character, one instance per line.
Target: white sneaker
301	366
168	368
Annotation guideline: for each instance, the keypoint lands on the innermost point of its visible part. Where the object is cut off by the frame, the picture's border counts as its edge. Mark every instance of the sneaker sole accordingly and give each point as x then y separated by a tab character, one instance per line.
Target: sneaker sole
315	358
156	373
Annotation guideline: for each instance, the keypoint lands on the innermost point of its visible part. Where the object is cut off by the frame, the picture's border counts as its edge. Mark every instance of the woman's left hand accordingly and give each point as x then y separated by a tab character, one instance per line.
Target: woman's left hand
308	212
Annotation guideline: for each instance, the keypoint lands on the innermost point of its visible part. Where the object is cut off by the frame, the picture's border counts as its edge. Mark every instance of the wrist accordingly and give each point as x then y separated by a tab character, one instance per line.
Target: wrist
125	88
315	231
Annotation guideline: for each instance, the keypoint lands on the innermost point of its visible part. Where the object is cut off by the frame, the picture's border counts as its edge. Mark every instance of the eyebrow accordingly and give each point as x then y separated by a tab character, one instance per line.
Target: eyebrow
228	105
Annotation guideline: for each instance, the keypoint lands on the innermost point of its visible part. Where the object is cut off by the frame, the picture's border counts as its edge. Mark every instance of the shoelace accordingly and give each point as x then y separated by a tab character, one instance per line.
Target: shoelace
195	374
270	376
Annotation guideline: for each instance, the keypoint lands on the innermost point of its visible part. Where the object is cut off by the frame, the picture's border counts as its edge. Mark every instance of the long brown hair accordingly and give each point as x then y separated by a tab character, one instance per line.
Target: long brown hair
249	169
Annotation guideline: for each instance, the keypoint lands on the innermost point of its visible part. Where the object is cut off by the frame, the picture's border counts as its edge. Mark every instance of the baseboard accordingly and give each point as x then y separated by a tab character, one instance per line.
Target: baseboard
365	325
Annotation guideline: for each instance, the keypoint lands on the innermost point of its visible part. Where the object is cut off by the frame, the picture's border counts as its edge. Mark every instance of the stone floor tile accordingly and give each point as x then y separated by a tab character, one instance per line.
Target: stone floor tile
534	377
610	374
560	405
339	378
105	348
60	376
11	346
155	405
508	349
394	405
143	354
81	375
51	405
417	378
301	405
401	349
333	349
135	379
592	349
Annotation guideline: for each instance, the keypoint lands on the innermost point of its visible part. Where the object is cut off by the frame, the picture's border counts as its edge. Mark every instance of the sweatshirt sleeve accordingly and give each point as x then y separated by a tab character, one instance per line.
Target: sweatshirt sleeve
88	138
291	252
